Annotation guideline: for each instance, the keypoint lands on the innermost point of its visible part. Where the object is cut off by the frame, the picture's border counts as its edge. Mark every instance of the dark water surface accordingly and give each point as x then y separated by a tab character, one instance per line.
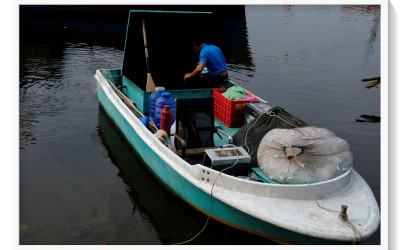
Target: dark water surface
80	183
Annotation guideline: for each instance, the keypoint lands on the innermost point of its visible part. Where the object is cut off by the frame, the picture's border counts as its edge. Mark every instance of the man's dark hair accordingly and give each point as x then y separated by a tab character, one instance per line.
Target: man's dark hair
198	39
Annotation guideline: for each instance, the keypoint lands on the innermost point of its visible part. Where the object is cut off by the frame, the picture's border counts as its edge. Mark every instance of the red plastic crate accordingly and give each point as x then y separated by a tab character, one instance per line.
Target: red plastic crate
231	120
230	113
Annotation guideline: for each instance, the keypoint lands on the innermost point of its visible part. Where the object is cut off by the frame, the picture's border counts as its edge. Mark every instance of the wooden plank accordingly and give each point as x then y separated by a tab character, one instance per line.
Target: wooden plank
194	151
372	84
371	79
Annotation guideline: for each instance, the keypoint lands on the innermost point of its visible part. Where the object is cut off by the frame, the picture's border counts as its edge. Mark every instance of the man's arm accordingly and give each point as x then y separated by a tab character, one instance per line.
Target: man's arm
196	71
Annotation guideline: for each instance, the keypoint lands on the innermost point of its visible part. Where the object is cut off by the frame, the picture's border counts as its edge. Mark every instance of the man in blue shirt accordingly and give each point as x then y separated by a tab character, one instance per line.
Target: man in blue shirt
212	58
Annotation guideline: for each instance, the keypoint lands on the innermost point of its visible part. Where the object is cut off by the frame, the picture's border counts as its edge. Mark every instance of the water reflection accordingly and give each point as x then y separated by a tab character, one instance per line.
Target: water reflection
353	11
288	13
374	33
53	58
37	78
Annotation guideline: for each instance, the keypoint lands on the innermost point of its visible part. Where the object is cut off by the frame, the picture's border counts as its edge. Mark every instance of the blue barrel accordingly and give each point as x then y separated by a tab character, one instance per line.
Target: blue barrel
167	99
152	107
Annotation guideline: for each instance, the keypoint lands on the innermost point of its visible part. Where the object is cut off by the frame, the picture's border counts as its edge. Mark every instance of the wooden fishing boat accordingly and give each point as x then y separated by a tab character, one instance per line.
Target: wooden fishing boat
342	210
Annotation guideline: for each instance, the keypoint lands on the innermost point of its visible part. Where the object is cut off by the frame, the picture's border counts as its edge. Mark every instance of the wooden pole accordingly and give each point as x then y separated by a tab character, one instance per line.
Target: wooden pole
150	86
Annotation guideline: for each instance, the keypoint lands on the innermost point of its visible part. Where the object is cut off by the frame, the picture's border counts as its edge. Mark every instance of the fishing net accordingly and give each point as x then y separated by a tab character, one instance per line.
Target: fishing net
249	136
303	155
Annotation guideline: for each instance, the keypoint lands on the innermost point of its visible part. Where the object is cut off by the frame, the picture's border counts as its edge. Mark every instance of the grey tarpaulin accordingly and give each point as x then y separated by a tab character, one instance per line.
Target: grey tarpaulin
250	135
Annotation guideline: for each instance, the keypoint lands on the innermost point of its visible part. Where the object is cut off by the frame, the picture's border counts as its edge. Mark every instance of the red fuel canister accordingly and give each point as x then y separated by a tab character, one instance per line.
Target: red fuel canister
166	119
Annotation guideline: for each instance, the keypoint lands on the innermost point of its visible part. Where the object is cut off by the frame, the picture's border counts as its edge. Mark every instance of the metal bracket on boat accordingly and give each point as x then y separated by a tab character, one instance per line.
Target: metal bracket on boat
230	138
228	146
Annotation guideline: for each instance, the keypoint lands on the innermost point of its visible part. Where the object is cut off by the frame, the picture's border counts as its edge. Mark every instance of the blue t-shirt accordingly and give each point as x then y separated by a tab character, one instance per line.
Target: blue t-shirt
213	58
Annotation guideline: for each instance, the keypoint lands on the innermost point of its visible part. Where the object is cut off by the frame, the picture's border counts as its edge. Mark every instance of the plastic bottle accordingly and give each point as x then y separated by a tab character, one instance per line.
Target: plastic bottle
152	105
167	99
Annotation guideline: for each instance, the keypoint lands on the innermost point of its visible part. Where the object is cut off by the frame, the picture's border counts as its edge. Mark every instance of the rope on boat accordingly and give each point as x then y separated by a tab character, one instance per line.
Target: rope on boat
212	202
269	113
343	219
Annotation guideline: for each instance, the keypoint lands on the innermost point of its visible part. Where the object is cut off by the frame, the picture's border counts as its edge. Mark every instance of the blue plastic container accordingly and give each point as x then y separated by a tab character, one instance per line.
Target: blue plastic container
152	105
167	99
145	121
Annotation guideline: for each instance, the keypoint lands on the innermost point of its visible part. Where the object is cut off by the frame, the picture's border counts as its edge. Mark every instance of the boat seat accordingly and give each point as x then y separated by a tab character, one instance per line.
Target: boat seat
195	127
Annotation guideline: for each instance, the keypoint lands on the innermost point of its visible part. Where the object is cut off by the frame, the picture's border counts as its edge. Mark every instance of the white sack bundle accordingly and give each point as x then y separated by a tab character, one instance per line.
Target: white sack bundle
303	155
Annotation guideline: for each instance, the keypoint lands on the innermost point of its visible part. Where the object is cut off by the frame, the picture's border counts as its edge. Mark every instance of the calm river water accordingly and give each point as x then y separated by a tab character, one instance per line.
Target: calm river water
80	183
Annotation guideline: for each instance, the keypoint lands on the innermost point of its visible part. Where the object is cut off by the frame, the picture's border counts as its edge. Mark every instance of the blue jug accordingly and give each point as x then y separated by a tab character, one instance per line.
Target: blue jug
164	99
152	104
